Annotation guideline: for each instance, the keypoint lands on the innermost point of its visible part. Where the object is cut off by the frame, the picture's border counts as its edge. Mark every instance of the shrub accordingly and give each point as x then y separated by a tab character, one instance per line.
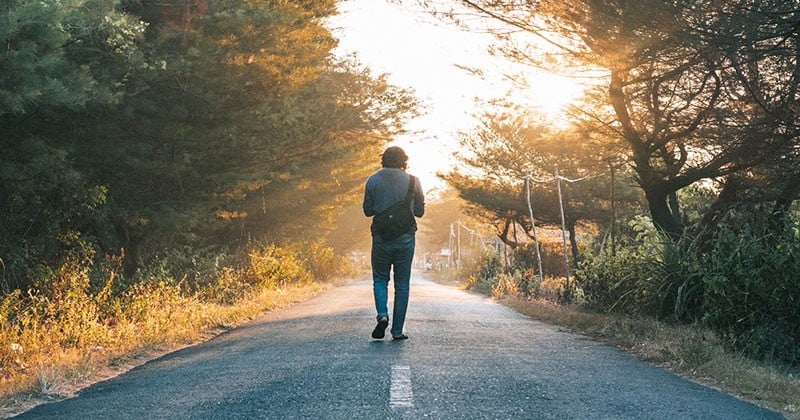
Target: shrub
649	275
504	284
272	266
528	283
86	312
524	257
320	261
751	291
741	282
487	271
228	286
11	350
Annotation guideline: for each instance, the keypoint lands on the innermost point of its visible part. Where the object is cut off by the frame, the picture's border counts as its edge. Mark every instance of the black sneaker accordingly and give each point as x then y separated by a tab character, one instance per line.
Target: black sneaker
380	329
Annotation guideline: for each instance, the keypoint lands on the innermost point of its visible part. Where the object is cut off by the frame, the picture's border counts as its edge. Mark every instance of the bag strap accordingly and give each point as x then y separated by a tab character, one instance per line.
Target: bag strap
410	192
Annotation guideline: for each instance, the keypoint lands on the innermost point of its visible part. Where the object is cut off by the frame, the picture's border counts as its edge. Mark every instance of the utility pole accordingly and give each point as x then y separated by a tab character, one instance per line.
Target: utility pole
450	247
458	237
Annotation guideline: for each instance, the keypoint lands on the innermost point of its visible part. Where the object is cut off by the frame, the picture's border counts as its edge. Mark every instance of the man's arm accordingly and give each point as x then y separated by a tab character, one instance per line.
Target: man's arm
369	200
419	198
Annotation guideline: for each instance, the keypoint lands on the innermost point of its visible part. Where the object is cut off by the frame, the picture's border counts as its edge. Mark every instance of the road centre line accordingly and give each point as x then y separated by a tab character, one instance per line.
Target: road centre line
400	393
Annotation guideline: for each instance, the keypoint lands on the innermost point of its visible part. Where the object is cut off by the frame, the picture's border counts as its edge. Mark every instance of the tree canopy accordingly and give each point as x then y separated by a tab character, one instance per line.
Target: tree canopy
694	90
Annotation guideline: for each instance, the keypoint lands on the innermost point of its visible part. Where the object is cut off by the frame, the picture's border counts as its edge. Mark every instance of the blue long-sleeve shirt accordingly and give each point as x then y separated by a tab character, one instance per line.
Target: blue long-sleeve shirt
388	186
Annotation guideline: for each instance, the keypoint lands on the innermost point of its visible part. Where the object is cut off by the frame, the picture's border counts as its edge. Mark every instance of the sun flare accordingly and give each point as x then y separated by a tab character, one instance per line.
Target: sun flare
551	94
434	59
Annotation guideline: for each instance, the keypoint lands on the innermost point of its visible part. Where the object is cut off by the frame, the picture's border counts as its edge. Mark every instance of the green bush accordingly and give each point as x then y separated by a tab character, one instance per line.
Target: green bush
486	272
609	279
740	282
488	275
650	275
524	257
227	287
752	297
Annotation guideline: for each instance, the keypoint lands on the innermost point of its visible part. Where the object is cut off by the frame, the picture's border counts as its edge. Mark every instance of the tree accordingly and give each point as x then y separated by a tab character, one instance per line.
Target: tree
760	39
681	96
178	124
505	150
58	57
54	52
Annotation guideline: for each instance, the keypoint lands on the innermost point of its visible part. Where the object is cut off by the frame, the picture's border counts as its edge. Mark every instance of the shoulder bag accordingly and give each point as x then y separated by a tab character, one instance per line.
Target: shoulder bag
398	218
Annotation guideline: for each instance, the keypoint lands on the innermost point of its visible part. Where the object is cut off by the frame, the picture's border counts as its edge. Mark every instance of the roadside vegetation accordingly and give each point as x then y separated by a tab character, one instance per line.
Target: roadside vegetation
90	317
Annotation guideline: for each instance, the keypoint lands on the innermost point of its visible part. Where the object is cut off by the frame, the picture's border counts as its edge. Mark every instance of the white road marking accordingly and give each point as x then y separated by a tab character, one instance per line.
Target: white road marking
400	394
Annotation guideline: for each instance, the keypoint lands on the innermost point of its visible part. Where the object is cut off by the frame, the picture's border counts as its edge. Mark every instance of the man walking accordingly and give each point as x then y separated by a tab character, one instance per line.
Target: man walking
384	188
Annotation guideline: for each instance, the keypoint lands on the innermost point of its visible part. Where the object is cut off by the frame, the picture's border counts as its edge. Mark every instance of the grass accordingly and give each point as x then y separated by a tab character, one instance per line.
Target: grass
691	351
52	371
84	324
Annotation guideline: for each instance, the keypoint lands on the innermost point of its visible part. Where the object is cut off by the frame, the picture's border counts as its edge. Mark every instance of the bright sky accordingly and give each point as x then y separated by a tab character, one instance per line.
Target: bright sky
421	52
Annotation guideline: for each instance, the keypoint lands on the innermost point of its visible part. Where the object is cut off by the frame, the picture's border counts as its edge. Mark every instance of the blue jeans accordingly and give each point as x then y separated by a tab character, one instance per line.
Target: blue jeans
396	254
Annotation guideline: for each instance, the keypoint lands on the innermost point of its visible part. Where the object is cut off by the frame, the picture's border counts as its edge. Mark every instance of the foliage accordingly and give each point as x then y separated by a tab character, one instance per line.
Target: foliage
646	276
485	274
271	266
321	262
692	91
56	58
490	276
751	294
742	286
135	128
504	150
87	311
46	208
54	53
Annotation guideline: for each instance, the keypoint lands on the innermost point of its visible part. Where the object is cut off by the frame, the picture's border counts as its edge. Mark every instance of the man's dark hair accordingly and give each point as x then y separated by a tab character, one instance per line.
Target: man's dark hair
394	157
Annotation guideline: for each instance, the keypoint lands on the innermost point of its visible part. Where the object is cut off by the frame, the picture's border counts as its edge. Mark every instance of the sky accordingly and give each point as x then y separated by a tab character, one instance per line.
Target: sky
422	52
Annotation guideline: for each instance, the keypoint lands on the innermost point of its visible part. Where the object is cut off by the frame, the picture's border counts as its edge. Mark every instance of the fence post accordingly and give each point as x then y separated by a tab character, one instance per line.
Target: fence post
533	227
563	226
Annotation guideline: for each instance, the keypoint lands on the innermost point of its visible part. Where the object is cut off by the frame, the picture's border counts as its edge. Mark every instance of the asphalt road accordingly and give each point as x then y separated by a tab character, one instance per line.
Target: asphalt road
467	358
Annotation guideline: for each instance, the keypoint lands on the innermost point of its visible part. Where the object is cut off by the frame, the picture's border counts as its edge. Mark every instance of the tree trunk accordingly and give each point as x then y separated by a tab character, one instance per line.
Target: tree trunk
661	213
573	243
790	192
721	205
674	206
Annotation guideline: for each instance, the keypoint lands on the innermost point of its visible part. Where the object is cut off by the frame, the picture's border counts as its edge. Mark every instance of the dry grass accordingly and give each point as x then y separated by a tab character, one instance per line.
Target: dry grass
690	351
46	369
74	331
84	323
